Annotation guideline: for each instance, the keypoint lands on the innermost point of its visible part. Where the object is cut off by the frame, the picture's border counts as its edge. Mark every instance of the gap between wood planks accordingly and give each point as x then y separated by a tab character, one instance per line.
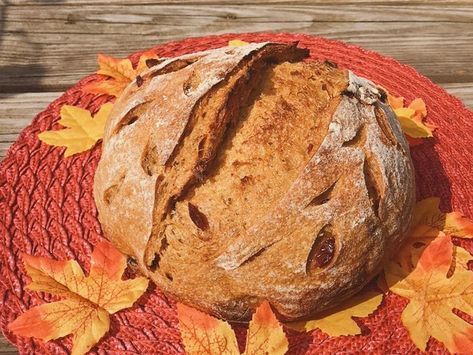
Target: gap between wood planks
48	47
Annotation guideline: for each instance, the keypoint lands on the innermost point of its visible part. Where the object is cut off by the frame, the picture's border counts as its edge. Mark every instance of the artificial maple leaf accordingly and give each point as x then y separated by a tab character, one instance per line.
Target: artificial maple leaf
265	334
46	322
432	298
147	60
204	334
120	73
395	102
428	222
411	118
412	251
411	127
81	132
237	43
118	69
338	321
418	105
461	258
88	300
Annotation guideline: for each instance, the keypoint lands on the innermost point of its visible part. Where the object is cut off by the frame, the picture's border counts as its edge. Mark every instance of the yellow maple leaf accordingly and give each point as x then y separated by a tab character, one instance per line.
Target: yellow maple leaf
432	298
265	334
411	118
461	258
411	127
338	321
204	334
81	132
119	72
428	223
88	300
237	43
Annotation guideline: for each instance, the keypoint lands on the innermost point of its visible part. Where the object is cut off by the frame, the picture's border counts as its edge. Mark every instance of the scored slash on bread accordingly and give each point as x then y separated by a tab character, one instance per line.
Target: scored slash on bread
243	173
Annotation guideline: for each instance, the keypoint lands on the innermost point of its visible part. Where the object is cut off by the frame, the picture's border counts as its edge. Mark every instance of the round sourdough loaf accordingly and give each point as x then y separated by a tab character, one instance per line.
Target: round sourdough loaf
244	173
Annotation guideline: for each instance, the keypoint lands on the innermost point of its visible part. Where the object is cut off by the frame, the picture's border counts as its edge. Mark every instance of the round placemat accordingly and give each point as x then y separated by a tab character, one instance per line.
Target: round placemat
47	208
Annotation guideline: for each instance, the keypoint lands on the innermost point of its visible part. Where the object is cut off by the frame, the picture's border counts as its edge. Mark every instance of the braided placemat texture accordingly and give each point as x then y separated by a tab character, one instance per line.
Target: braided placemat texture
47	207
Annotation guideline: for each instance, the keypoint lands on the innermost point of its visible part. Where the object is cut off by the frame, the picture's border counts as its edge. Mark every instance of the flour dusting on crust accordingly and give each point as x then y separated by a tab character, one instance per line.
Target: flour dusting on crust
229	173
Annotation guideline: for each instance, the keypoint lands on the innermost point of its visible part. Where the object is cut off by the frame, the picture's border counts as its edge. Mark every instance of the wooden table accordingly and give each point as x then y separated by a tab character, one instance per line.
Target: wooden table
48	45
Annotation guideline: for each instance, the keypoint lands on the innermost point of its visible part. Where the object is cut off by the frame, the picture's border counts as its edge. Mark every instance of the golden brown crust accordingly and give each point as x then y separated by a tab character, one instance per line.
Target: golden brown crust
233	176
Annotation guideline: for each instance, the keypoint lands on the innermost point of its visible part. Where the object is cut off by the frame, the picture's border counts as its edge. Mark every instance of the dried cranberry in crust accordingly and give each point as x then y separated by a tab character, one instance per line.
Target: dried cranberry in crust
199	219
151	62
326	252
139	80
323	250
309	148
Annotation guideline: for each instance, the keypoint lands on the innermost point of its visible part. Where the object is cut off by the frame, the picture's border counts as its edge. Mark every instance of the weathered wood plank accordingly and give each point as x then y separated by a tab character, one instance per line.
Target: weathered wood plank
246	2
6	348
17	111
49	47
140	15
19	107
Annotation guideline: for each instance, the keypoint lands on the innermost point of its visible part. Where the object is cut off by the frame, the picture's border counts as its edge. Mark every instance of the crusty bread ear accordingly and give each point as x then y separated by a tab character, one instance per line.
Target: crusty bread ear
150	125
241	174
209	119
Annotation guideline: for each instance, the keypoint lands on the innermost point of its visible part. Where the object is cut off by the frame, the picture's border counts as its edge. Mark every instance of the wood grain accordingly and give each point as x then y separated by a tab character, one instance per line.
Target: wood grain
17	111
6	348
246	2
48	45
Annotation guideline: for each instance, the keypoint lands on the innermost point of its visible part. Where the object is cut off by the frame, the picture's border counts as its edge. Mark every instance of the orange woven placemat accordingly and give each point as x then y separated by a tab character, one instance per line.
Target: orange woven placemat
47	208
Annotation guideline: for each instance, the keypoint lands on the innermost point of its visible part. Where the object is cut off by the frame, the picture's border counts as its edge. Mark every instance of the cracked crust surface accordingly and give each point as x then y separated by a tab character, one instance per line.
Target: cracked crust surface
241	174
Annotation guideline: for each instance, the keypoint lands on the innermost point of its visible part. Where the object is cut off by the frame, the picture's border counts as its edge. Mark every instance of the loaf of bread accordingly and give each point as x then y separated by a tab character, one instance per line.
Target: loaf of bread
243	174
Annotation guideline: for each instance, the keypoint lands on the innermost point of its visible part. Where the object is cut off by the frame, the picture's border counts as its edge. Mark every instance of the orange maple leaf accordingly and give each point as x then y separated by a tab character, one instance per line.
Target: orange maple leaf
204	334
119	73
433	296
395	102
147	60
265	334
411	119
428	223
88	300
